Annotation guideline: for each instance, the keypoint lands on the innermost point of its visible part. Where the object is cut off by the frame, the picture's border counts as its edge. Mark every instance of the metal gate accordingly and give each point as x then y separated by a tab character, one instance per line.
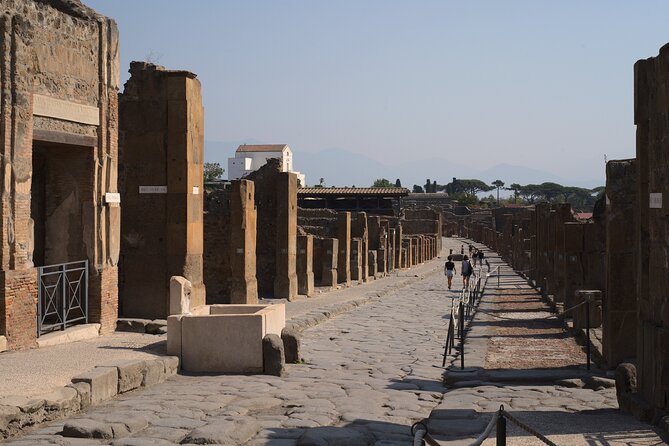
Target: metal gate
62	296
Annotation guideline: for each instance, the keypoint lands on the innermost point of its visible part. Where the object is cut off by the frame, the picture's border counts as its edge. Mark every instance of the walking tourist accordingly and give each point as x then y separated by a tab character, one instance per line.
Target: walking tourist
449	270
467	270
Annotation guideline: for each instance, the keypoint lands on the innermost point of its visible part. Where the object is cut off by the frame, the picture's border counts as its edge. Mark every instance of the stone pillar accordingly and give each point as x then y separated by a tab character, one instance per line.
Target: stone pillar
329	249
619	329
305	261
162	151
359	230
572	264
242	239
285	279
562	215
344	237
399	258
392	249
542	214
373	263
356	260
381	259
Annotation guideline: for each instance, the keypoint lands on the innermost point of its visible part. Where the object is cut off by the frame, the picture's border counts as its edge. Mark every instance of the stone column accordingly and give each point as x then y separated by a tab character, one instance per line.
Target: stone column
242	249
392	249
329	248
399	258
162	127
344	259
359	229
285	279
619	329
572	264
356	260
305	261
373	263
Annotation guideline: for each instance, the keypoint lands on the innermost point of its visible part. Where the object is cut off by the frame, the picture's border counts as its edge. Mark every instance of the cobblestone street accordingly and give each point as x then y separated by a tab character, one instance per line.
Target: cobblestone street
367	376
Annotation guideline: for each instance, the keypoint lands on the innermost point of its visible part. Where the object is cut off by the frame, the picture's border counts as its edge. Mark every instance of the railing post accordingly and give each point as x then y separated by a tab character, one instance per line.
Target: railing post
63	295
39	301
462	339
501	430
448	340
587	330
498	274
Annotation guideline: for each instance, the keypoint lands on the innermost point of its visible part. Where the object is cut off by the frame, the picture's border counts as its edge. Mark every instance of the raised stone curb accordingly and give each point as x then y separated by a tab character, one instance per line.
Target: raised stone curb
87	389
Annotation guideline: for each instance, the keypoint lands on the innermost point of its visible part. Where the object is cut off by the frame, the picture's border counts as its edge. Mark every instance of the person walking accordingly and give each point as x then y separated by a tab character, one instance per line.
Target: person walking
467	270
449	270
462	250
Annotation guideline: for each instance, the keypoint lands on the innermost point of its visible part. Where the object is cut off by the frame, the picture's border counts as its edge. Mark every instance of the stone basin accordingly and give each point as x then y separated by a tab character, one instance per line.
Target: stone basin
223	338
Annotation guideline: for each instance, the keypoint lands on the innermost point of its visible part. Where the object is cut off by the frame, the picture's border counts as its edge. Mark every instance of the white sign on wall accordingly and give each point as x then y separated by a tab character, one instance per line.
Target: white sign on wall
112	197
655	201
152	189
196	190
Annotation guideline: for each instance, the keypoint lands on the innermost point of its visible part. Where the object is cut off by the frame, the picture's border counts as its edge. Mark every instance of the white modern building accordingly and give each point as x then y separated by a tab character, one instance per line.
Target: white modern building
249	158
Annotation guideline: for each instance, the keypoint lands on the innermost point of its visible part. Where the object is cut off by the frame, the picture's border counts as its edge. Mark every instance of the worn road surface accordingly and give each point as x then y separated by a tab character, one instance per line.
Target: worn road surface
367	376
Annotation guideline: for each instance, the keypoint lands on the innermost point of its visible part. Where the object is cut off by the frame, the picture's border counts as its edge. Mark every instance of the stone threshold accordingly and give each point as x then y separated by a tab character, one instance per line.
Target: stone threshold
100	384
71	334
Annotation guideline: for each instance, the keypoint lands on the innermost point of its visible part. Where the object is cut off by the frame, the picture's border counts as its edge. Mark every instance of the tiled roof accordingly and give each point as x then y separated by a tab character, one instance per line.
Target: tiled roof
261	147
353	191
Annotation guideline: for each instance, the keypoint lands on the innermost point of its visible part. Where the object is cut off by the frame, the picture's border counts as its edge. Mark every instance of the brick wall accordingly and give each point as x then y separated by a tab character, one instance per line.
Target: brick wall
18	297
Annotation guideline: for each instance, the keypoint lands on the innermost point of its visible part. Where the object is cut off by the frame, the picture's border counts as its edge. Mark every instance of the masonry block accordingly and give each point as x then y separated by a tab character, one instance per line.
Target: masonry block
103	382
305	261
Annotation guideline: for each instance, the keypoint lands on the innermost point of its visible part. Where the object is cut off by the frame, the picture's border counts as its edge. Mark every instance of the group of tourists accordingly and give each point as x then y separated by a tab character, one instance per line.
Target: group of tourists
467	269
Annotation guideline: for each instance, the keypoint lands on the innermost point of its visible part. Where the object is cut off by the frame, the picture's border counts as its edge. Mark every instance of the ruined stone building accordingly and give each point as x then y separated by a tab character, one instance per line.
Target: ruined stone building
161	184
59	72
372	200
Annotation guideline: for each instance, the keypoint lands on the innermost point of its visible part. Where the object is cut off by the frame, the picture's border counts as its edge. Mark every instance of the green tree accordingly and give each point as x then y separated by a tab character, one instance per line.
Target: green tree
398	183
498	184
212	172
515	187
469	187
382	182
417	189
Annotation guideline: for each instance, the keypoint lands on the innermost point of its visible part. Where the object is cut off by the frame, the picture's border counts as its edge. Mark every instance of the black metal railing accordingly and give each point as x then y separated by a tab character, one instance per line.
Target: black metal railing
62	296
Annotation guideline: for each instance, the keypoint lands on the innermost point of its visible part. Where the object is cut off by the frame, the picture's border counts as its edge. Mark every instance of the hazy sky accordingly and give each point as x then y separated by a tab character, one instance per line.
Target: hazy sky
530	82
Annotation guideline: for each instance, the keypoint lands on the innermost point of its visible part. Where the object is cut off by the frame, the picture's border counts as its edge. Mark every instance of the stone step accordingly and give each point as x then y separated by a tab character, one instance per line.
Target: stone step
72	334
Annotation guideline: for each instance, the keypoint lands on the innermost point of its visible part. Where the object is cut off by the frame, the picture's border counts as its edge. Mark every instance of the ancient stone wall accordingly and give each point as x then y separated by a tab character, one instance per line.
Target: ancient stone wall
276	243
59	68
230	245
620	303
161	158
651	113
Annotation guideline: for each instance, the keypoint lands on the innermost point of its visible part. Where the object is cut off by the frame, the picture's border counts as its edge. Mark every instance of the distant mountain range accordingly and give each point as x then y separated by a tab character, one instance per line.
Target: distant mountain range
340	167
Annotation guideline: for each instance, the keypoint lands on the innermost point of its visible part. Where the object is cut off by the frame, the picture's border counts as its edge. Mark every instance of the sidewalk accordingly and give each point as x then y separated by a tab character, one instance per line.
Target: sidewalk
41	371
516	357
